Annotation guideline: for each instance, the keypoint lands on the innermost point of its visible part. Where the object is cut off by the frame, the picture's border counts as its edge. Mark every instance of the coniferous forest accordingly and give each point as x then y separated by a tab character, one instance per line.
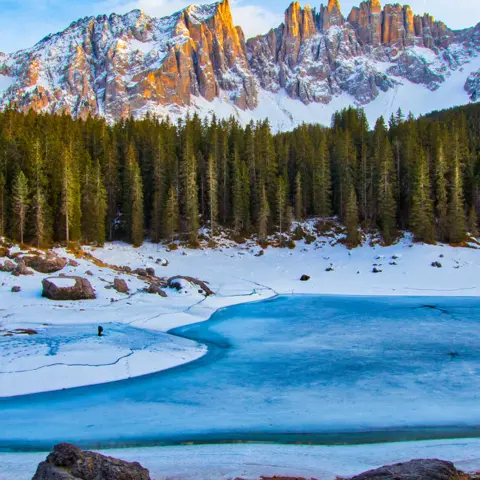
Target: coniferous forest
65	180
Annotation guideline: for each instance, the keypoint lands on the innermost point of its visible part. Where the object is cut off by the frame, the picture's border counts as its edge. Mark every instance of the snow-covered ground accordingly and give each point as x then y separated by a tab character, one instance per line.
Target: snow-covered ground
223	462
67	353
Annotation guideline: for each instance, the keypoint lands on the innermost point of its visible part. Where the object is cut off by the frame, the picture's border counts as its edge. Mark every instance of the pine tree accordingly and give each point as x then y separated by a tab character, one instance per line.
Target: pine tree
70	197
351	217
158	192
441	195
99	207
111	187
264	214
171	214
456	206
191	199
20	203
422	218
387	207
212	192
298	196
322	181
282	203
41	223
133	198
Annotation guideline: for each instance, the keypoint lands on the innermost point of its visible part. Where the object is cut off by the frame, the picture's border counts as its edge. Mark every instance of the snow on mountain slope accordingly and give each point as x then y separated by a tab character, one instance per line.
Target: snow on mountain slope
198	60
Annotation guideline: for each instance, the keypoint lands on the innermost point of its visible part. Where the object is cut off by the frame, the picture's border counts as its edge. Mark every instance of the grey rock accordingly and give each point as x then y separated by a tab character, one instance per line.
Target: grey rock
16	289
413	470
82	290
68	462
22	270
156	290
47	264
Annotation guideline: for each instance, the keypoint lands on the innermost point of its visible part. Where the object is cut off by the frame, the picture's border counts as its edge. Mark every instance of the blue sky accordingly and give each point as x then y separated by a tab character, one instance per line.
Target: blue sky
24	22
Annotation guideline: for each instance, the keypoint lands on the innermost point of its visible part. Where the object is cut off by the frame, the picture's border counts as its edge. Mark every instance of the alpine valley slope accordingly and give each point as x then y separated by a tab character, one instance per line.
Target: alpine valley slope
197	60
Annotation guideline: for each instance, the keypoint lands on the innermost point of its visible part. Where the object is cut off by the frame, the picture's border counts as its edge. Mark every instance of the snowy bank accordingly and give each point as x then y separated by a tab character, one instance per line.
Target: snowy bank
250	461
236	274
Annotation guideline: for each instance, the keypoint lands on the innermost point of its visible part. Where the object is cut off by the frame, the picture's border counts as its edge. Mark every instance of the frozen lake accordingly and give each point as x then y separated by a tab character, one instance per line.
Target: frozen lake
302	368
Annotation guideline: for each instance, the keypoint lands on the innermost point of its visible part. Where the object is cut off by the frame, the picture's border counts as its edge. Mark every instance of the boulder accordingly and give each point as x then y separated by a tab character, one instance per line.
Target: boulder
8	266
73	263
68	462
173	283
67	288
16	289
413	470
304	278
156	290
21	269
150	272
141	272
120	285
48	264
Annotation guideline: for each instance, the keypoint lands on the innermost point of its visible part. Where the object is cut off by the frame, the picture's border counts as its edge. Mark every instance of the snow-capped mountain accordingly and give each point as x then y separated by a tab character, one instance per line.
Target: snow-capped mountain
197	60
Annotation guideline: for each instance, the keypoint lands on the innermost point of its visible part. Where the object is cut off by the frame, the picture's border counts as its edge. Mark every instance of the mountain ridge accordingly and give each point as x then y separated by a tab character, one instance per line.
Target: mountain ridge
118	66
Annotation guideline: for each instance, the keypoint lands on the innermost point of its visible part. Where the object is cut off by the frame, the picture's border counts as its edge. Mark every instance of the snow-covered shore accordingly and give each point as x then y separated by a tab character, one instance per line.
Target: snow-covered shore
236	273
250	461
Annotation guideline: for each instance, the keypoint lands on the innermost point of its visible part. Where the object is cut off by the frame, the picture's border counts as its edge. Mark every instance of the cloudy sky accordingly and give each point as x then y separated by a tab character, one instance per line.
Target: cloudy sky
24	22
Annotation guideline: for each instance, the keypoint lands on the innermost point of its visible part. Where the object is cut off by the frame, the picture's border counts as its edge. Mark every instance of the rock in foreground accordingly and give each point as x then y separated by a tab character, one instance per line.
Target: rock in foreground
67	288
68	462
413	470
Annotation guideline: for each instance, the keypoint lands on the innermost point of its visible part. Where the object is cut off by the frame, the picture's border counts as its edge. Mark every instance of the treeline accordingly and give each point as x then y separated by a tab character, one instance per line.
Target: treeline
64	180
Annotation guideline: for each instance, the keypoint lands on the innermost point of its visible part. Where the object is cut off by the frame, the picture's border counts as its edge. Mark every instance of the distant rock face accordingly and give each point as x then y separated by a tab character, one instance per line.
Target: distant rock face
130	65
472	86
68	462
413	470
57	288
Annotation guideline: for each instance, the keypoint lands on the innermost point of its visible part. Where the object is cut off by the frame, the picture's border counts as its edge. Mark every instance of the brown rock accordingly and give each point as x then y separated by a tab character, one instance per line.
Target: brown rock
48	264
7	266
82	289
21	269
173	283
120	285
156	290
413	470
68	462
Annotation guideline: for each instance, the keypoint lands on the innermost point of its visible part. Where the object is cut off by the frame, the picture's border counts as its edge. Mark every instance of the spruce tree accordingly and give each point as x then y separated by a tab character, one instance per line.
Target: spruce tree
264	214
133	198
422	218
441	194
298	196
171	214
41	221
99	207
158	192
282	204
322	181
70	196
456	206
212	193
20	203
387	207
191	198
351	218
473	222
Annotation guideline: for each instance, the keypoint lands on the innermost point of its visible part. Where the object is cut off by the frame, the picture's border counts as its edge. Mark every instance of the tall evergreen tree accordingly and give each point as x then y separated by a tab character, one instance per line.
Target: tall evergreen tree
456	205
422	218
20	204
171	214
351	217
441	194
264	214
387	207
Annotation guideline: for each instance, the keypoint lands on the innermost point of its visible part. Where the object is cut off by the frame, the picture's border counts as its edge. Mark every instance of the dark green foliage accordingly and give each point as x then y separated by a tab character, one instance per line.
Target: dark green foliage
87	180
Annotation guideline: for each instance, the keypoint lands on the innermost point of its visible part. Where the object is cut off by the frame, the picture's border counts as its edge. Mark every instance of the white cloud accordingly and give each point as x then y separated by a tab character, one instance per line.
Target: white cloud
255	19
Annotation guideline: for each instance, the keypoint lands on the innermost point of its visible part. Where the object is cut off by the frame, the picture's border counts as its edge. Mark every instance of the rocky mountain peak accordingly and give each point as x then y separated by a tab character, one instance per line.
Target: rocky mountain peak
122	65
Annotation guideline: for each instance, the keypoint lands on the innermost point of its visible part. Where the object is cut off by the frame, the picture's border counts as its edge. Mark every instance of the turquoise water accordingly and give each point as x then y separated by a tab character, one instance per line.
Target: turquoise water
291	369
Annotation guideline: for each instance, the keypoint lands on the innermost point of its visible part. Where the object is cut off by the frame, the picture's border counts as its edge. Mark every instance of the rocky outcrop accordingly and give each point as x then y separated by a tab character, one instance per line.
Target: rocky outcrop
22	270
68	462
49	264
175	283
7	266
472	86
413	470
67	288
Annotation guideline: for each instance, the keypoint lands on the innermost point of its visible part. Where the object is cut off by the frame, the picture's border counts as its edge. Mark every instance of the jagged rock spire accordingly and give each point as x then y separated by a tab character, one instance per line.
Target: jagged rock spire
331	15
